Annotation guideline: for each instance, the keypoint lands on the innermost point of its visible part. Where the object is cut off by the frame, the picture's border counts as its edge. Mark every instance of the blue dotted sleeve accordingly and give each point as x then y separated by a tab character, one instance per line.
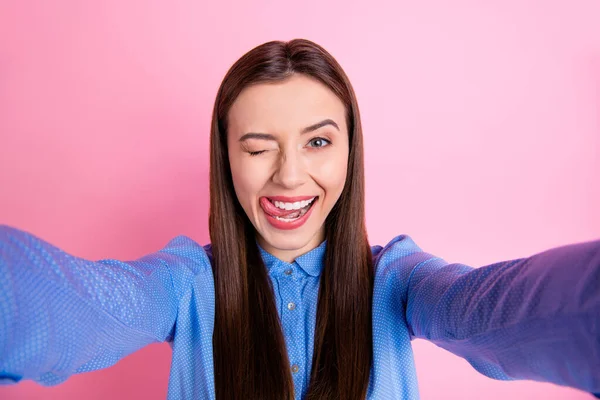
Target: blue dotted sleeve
535	318
61	315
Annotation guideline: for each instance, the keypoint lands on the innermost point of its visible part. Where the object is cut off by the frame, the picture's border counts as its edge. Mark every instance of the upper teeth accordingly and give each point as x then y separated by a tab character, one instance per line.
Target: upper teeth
293	206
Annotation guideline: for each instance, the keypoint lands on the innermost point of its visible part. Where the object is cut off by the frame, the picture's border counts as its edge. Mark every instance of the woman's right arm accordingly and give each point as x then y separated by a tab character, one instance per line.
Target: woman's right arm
61	315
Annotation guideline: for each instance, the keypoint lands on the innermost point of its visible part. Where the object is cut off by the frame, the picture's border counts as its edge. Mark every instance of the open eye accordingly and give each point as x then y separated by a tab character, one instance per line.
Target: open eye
318	142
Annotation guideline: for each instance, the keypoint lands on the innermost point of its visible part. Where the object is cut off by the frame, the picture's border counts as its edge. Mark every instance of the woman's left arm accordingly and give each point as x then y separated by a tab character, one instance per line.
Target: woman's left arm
534	318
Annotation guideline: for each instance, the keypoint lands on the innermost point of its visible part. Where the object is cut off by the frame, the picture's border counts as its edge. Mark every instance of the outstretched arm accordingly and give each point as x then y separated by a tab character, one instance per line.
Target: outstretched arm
534	318
61	315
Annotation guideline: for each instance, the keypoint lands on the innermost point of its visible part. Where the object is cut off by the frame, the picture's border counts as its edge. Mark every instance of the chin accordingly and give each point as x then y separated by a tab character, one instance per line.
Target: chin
288	240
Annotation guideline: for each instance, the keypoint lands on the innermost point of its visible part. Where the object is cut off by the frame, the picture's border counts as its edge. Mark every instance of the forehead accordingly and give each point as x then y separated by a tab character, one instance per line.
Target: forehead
285	107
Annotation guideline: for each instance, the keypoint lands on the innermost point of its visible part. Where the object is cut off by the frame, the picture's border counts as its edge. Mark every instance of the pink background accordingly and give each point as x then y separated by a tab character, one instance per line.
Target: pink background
481	121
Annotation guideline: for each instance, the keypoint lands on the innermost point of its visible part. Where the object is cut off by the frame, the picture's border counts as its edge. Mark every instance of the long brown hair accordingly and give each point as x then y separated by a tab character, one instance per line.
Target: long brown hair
250	355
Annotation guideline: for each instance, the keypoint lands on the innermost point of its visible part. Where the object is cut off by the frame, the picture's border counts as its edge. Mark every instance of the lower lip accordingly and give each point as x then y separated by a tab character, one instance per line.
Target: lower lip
297	223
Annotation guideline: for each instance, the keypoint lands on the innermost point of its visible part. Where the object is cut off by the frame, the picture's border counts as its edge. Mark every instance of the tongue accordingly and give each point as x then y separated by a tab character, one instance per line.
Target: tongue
277	212
293	214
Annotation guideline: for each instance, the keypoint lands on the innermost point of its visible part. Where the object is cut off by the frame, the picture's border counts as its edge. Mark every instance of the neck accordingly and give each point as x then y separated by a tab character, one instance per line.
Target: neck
290	254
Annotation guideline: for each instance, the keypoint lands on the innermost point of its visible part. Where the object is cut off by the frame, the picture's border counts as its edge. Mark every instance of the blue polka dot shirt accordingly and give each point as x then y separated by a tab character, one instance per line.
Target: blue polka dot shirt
534	318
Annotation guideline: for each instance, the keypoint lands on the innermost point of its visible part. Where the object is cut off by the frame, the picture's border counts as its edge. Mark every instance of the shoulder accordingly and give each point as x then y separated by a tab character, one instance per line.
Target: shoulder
188	261
398	260
399	243
199	256
401	251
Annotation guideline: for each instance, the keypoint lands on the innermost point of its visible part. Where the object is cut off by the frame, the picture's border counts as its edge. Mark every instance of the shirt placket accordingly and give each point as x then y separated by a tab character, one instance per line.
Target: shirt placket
291	317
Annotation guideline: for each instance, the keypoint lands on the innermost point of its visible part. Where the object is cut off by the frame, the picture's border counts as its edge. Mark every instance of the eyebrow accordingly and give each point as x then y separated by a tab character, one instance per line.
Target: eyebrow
311	128
321	124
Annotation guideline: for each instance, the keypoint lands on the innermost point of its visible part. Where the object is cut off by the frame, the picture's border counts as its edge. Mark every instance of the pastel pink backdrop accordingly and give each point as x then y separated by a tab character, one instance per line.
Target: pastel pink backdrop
481	121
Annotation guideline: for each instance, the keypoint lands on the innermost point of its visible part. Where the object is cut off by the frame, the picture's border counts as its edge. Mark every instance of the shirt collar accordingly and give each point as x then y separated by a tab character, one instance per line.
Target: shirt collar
311	262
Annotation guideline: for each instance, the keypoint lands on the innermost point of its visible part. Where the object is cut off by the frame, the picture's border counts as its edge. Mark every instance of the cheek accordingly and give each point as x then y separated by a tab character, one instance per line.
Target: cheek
330	174
249	177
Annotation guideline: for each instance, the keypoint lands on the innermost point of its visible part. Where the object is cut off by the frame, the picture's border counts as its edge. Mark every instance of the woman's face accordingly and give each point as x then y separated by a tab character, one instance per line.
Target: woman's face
288	152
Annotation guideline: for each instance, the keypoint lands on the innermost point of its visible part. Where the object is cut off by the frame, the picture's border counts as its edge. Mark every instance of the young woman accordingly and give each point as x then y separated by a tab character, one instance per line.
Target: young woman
290	300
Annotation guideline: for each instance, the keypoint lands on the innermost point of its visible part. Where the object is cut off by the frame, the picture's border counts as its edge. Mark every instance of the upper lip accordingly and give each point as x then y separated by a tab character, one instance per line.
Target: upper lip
287	199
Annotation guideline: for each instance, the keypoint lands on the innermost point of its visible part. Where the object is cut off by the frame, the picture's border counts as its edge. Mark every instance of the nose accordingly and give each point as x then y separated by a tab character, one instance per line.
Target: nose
290	172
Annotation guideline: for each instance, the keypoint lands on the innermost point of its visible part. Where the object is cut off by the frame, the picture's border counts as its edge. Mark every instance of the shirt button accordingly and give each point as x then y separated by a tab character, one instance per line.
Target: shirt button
291	306
288	271
295	368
